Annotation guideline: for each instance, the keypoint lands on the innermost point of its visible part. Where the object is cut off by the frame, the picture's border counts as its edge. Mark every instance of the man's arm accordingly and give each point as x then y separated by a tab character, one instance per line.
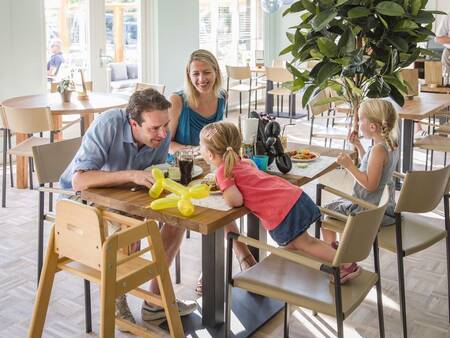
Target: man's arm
442	39
82	180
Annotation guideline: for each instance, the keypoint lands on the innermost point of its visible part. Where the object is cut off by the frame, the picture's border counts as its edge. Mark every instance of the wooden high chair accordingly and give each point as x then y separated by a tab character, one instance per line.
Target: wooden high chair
78	244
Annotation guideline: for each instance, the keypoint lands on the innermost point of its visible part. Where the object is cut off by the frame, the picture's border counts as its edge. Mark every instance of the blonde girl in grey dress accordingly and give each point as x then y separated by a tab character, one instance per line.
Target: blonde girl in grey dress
378	122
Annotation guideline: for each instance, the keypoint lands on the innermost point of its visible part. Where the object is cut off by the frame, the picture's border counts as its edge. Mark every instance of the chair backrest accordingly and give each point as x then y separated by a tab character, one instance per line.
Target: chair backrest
50	160
141	86
239	72
278	74
319	109
279	63
79	233
53	87
29	120
423	190
360	232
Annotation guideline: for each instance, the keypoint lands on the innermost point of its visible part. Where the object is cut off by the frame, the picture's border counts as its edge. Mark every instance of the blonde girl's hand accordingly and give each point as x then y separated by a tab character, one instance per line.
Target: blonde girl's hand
353	138
344	160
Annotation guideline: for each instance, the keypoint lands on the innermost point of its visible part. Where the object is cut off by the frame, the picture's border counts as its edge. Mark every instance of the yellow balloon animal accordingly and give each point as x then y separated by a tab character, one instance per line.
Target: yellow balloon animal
183	199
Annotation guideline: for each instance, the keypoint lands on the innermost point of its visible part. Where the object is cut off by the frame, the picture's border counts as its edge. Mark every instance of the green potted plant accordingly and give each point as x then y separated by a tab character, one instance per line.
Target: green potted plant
65	88
360	47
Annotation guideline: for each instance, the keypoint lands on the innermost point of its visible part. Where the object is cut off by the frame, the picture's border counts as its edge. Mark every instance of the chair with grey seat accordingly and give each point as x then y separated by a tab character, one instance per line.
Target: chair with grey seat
300	280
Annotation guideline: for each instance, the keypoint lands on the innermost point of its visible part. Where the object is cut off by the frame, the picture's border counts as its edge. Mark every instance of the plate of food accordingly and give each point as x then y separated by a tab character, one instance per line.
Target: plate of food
210	180
303	155
174	172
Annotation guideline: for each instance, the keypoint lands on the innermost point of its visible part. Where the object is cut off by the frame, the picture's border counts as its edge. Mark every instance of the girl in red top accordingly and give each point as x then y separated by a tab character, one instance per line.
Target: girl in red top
283	208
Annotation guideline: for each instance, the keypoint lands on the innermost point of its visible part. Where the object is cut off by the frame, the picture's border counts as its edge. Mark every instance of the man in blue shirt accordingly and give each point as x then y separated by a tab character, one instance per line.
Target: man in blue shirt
115	149
56	59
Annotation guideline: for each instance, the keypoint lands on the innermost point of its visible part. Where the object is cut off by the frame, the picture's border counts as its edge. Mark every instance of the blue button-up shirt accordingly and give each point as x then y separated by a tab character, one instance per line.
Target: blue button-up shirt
108	145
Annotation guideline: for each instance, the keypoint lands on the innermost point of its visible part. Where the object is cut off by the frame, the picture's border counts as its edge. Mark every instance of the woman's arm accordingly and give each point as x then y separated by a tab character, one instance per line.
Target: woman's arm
233	196
174	116
370	179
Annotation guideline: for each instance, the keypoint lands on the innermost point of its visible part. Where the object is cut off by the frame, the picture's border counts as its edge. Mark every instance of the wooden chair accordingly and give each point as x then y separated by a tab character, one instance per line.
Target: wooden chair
54	86
50	161
304	281
242	74
6	138
78	245
330	114
413	231
29	121
141	86
279	76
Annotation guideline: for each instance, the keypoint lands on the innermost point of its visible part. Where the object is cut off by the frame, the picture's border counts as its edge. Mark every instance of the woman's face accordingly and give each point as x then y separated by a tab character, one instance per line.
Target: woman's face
202	76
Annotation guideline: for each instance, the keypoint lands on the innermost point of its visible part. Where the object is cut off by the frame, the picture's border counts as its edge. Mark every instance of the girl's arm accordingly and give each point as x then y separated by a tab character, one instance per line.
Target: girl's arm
174	115
233	196
354	139
370	179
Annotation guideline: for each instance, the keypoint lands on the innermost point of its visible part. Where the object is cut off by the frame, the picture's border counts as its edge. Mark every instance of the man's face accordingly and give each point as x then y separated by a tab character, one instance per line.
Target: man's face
153	130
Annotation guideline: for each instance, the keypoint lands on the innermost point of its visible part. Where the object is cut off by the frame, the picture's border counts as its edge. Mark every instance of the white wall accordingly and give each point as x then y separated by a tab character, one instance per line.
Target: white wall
176	35
22	41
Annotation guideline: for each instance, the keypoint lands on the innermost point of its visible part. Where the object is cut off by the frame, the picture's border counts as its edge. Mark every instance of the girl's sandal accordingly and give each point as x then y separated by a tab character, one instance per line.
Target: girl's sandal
246	262
348	273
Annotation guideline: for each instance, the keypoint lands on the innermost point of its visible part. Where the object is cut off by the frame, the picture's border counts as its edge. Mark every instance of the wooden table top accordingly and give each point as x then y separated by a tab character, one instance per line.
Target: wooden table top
439	89
97	102
204	220
423	105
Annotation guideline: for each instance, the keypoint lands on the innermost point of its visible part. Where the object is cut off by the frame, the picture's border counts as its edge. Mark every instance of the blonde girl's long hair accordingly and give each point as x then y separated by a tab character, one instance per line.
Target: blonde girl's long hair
383	113
192	93
223	139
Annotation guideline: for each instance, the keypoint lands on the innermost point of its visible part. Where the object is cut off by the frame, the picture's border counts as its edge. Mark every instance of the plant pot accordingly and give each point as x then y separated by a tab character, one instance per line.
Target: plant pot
65	95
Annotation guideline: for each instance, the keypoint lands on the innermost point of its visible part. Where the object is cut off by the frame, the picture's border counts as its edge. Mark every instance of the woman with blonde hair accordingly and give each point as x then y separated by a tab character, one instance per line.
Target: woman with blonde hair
378	122
201	102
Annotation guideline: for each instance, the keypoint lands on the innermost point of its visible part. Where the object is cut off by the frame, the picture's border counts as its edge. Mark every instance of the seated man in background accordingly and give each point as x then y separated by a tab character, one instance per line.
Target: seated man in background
56	59
116	148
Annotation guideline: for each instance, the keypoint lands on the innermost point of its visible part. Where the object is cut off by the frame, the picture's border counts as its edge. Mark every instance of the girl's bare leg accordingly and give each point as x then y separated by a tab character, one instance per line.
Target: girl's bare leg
312	246
243	254
328	235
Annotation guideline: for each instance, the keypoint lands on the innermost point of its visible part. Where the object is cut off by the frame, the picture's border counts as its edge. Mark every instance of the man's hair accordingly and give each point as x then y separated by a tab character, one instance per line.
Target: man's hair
146	100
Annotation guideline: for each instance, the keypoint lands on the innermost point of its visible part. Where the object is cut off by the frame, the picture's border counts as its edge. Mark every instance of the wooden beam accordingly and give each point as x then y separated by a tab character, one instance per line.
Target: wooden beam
118	29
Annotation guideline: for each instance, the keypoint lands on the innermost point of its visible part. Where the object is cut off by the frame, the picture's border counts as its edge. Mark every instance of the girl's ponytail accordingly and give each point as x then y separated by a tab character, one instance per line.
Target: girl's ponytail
230	158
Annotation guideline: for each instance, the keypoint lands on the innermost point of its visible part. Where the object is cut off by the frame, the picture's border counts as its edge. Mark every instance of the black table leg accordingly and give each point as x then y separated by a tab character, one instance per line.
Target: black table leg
407	144
269	98
257	232
213	267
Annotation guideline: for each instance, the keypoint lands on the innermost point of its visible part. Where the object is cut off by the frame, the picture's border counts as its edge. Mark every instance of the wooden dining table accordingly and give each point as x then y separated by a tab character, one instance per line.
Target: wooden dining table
210	224
96	102
420	107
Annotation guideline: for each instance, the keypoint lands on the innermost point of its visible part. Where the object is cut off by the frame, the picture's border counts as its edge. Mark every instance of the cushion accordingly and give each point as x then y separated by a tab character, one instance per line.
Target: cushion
118	71
132	70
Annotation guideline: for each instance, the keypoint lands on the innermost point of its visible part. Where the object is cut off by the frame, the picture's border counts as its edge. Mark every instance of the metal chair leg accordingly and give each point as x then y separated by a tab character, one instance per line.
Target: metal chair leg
30	171
10	159
178	268
40	257
4	168
287	315
401	274
376	258
87	306
447	240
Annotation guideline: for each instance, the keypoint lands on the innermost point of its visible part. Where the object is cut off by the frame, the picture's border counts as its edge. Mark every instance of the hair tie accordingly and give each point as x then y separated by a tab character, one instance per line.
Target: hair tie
229	148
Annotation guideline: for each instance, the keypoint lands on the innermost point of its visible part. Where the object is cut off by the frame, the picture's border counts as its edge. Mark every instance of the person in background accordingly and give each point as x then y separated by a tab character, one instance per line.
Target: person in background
378	122
443	37
56	59
115	150
201	102
284	209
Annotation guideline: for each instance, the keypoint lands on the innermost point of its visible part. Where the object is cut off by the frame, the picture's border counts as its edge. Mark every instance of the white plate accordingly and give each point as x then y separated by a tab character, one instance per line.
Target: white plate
309	160
200	181
196	170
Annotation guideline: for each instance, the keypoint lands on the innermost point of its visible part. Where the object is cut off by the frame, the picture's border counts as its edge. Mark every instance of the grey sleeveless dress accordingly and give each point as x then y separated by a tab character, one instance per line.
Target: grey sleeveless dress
346	207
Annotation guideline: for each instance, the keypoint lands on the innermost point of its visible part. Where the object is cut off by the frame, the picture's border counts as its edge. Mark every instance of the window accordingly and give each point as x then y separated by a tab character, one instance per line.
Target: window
231	29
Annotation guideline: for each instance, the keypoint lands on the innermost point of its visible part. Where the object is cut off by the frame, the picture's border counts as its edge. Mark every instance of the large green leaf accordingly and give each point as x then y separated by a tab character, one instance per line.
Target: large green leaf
415	6
327	100
399	43
307	94
327	47
286	50
323	19
309	6
397	96
394	81
358	12
291	37
390	8
341	2
347	42
327	71
405	26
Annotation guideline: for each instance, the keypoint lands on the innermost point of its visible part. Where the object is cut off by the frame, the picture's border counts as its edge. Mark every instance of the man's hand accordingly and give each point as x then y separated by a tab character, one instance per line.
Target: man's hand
141	177
344	160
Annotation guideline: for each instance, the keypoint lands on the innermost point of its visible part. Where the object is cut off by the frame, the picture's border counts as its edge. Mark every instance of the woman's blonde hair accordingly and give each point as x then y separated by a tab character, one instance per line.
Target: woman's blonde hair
383	113
203	56
223	139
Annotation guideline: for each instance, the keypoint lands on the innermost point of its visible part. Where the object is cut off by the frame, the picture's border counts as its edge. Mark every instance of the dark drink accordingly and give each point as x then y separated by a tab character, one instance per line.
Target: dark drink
186	165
